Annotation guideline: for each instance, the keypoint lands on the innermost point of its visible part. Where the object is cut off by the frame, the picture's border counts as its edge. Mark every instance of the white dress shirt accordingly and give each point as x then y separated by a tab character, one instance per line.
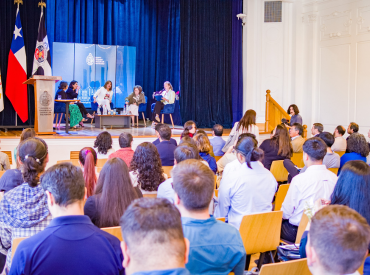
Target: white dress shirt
315	183
340	144
253	129
165	190
102	93
245	191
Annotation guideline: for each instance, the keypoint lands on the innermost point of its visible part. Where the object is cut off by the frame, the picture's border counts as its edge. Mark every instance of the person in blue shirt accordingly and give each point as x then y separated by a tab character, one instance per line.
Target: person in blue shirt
215	247
157	141
153	242
357	149
165	147
204	147
217	141
70	244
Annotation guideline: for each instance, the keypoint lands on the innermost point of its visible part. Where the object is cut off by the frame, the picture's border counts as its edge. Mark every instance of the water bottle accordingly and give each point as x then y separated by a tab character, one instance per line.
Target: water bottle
104	110
98	111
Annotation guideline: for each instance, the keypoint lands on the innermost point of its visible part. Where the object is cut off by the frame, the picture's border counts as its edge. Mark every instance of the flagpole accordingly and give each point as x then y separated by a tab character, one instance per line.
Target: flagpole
17	2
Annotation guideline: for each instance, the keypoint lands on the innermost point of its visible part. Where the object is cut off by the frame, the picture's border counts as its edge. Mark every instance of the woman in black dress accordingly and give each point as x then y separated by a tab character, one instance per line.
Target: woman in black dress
72	93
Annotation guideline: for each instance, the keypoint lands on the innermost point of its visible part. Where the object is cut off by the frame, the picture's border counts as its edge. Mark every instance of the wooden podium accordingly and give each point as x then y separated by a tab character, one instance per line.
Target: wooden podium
44	87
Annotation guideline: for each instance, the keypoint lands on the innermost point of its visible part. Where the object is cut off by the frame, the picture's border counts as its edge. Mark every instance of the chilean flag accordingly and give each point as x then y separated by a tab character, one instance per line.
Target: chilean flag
16	75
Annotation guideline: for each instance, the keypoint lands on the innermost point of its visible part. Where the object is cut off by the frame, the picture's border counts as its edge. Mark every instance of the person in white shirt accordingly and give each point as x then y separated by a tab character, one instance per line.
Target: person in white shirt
340	143
104	95
337	241
168	97
315	183
249	189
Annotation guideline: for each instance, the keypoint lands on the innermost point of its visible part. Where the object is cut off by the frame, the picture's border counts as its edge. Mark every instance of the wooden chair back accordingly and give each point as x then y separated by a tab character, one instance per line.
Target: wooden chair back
9	153
216	193
223	219
15	244
296	267
73	161
167	170
101	162
301	228
279	171
280	196
217	158
151	196
74	154
334	170
261	232
1	173
297	159
115	231
341	153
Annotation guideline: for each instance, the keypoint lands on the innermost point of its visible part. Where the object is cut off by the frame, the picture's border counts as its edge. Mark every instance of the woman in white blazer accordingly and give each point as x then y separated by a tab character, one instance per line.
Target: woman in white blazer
104	95
168	97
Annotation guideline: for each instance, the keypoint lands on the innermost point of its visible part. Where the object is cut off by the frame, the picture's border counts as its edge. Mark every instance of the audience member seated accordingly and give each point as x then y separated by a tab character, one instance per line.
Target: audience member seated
189	129
204	147
11	179
165	147
153	240
316	129
87	159
246	125
337	242
183	152
26	133
4	162
187	139
249	189
331	159
157	141
113	194
296	132
217	141
315	183
104	144
24	210
215	247
146	169
354	195
70	244
357	149
340	143
352	128
125	153
279	147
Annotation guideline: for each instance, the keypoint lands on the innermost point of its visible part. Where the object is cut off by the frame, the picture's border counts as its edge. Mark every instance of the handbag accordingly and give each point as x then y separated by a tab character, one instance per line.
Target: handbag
230	142
288	252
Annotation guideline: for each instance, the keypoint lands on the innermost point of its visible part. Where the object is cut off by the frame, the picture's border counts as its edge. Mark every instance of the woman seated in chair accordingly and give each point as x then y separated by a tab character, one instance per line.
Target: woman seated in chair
168	97
133	101
72	93
104	95
75	113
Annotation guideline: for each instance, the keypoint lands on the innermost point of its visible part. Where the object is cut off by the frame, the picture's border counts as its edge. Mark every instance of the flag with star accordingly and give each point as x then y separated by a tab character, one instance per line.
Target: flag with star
42	58
16	74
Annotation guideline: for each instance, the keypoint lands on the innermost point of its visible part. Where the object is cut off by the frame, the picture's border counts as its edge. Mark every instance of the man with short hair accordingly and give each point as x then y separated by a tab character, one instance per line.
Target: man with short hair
352	128
183	152
157	141
165	148
316	129
296	132
338	241
125	153
340	143
153	240
217	141
316	182
71	243
215	247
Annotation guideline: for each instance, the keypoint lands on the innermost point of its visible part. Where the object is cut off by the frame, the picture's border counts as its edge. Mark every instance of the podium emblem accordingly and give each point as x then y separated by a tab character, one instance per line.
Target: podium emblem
90	59
45	99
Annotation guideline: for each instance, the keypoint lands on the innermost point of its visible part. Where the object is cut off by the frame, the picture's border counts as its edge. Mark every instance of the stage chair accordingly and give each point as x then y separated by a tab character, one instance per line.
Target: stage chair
9	153
94	106
340	153
279	171
142	110
223	219
334	170
115	231
260	233
15	244
297	159
167	170
168	109
295	267
301	228
59	108
280	196
150	196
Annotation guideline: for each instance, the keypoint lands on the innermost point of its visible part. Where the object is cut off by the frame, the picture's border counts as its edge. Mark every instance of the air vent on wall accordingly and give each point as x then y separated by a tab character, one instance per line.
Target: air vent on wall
273	10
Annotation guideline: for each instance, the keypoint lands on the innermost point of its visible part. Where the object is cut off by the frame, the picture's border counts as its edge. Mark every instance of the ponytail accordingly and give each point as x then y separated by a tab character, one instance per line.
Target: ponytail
255	155
88	159
248	148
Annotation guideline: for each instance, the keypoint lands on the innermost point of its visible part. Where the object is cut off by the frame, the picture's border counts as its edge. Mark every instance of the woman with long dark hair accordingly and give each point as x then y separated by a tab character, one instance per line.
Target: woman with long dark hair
146	168
189	129
168	97
88	159
279	147
103	143
136	98
104	95
24	210
113	194
72	93
295	117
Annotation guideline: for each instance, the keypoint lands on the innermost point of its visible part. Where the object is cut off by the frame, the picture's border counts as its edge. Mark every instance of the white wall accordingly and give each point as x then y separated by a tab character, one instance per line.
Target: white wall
317	58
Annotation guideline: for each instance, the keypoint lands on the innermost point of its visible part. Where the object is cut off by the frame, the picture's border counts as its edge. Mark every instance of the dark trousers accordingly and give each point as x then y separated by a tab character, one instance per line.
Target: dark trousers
158	107
288	231
82	109
290	167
